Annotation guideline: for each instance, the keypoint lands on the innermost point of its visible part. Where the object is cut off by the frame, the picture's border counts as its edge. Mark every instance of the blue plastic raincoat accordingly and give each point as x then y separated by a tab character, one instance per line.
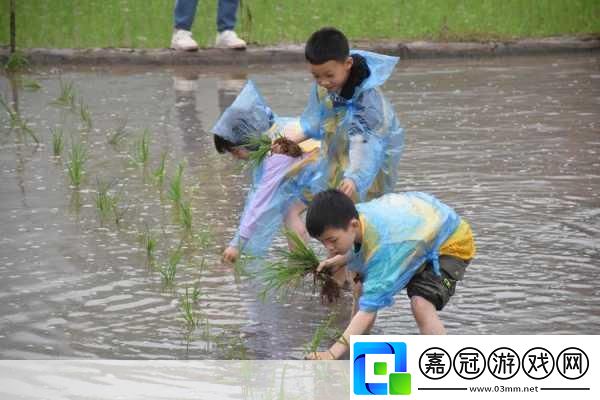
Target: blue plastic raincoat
361	137
400	232
279	181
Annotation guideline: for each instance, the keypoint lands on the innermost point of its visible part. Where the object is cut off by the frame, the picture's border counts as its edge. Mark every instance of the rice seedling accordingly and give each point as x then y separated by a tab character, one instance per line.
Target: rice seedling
261	147
205	331
75	165
186	307
185	216
323	331
118	134
22	125
12	113
159	173
16	121
240	267
203	238
202	266
234	348
149	242
16	61
31	84
141	148
67	95
57	141
119	211
167	271
105	202
86	116
286	275
175	187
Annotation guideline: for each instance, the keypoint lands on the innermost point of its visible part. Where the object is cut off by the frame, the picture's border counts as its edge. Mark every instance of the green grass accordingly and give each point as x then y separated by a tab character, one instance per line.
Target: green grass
17	61
76	163
58	142
149	24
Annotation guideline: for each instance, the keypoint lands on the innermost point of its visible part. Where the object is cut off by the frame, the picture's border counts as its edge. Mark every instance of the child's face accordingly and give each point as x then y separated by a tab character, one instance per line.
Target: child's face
340	241
331	75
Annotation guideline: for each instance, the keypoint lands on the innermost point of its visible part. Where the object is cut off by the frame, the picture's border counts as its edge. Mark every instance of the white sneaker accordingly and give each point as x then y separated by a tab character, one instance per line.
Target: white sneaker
229	40
182	40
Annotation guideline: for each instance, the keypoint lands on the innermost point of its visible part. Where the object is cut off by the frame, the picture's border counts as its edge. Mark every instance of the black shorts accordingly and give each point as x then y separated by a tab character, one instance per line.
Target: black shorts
437	289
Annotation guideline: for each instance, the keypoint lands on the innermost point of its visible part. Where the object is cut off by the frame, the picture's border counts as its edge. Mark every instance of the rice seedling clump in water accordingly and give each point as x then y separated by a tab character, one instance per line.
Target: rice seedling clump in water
286	275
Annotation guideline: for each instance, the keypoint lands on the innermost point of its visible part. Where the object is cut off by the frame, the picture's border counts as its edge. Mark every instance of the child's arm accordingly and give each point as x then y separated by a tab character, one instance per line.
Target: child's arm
361	323
368	133
310	120
261	212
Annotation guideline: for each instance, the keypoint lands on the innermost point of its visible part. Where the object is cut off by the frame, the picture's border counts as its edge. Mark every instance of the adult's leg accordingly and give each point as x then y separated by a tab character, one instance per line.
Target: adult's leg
184	13
426	316
226	15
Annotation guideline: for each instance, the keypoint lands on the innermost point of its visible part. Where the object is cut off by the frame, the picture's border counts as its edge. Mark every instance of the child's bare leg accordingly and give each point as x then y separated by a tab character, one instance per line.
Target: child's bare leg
426	316
294	222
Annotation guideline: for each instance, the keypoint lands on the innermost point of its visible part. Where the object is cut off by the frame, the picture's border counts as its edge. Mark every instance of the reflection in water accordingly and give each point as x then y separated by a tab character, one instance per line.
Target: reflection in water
512	143
110	379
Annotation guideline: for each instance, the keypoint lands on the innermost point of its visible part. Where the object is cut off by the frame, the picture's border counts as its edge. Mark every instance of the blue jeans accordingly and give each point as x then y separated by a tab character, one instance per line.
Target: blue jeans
185	11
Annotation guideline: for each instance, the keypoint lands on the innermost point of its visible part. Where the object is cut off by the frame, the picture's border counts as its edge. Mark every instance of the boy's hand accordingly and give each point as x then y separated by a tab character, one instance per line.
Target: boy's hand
333	262
320	355
231	254
347	187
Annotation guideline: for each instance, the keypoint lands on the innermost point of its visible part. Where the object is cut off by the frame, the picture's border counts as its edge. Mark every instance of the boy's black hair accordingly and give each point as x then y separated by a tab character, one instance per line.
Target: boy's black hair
329	209
223	145
326	44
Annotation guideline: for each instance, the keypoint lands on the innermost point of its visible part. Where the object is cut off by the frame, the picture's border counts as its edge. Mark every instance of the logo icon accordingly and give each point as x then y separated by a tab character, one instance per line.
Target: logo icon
380	368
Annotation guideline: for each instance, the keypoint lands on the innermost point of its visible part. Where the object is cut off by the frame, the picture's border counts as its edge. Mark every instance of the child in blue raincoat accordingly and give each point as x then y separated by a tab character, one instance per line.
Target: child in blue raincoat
408	240
361	138
279	181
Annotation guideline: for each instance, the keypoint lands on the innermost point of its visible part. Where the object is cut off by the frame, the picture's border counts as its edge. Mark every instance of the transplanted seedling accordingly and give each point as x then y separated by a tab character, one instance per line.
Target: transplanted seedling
169	269
76	163
141	148
67	94
58	143
187	308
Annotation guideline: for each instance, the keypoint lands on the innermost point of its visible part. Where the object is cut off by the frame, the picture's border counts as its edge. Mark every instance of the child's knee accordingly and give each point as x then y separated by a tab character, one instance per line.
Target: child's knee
421	305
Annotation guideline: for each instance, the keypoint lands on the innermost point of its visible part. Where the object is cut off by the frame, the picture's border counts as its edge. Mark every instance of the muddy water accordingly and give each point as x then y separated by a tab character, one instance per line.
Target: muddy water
513	144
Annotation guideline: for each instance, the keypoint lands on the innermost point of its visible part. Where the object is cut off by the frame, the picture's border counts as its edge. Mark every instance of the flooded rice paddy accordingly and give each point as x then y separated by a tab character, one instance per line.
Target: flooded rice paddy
512	143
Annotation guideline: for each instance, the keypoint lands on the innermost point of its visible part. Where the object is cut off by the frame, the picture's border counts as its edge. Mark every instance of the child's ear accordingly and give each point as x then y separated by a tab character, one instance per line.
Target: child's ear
354	223
348	63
